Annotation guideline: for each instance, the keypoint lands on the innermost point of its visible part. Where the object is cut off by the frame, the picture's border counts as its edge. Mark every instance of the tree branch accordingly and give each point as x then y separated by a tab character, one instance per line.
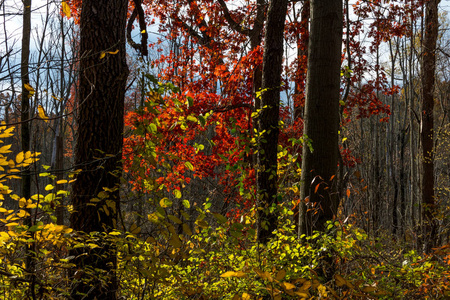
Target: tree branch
233	24
138	11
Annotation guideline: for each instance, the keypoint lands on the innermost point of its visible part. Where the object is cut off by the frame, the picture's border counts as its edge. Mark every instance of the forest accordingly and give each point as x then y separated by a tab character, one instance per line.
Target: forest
224	149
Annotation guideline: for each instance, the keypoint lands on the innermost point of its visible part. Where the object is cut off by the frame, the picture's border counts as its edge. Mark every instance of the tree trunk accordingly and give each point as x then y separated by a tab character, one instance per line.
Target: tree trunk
268	120
320	156
428	79
25	134
103	75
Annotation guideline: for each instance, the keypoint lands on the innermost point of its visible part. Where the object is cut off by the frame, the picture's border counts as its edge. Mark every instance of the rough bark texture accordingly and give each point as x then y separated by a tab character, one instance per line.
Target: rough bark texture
321	116
25	102
268	120
25	132
99	141
428	79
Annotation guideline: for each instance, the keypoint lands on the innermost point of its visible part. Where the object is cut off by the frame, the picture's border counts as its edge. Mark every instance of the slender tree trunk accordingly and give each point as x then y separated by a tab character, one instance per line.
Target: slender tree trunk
58	142
302	55
320	155
98	151
25	131
268	120
428	80
25	102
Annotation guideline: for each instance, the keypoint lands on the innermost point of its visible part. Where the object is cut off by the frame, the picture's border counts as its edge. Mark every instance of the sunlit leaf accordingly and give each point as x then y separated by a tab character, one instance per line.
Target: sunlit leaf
177	193
238	274
49	187
42	114
5	149
165	202
19	157
186	203
29	88
66	9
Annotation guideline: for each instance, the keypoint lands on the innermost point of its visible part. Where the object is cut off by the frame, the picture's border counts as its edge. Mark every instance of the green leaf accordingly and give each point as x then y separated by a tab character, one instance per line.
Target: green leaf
189	166
192	119
202	120
186	203
153	128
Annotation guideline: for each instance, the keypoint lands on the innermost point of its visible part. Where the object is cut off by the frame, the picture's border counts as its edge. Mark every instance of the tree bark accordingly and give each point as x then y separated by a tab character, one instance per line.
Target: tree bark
428	80
268	121
320	156
103	74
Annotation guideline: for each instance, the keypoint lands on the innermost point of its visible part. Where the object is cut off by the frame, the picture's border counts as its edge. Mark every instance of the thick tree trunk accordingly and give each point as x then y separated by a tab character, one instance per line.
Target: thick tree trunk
320	156
428	80
268	120
103	74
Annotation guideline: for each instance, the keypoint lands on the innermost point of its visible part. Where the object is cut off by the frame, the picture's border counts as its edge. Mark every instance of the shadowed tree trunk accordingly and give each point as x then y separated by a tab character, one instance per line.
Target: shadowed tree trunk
268	120
25	131
320	155
103	74
428	80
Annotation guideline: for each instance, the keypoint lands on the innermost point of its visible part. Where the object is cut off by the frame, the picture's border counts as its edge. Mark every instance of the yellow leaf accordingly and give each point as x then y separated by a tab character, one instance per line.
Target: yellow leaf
165	202
228	274
19	157
29	88
238	274
143	31
67	230
49	187
177	193
322	291
102	55
245	296
302	295
61	181
5	149
115	52
287	285
22	213
66	9
41	113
